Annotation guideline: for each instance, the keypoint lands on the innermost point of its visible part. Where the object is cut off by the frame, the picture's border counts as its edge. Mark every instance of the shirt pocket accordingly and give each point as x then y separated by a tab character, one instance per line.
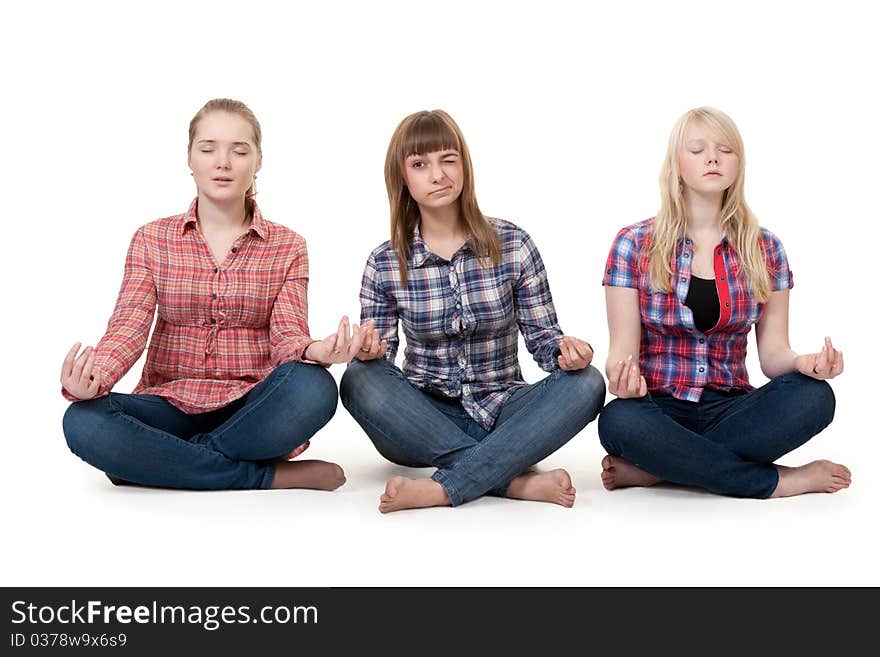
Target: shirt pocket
490	309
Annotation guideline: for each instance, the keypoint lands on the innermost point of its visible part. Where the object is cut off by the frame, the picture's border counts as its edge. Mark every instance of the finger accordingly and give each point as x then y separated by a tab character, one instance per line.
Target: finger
643	389
582	348
840	363
633	379
94	385
570	352
619	379
357	339
821	363
376	343
87	370
80	363
67	365
563	362
341	332
382	349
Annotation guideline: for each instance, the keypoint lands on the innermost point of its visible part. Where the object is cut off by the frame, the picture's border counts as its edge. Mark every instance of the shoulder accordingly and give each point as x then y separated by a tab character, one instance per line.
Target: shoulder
283	235
510	236
639	232
770	242
383	256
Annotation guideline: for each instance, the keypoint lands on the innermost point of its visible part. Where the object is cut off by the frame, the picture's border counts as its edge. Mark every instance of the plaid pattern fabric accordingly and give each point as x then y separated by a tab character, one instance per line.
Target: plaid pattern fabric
221	329
460	317
675	358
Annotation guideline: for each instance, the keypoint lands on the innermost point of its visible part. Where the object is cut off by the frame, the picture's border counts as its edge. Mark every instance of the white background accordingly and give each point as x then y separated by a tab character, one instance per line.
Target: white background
566	109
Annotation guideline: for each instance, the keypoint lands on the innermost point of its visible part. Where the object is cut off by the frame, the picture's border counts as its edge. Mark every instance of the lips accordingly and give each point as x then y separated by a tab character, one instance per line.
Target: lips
711	173
440	191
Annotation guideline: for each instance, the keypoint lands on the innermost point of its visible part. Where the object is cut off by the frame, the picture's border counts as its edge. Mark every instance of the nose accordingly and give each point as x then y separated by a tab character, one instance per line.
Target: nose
222	159
713	159
437	173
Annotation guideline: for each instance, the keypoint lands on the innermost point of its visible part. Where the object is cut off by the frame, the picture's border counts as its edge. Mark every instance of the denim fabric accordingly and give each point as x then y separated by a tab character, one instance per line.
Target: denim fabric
144	439
727	441
418	429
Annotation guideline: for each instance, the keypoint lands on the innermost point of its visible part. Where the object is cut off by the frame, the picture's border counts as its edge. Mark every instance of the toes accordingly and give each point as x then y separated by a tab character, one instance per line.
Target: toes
607	462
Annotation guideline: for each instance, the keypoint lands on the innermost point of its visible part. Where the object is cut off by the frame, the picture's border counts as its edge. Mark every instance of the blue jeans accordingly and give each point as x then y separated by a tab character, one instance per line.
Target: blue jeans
417	429
727	441
145	440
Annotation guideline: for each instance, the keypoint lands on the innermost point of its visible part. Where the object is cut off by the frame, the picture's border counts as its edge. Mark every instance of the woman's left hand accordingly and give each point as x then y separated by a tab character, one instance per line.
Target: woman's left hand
574	354
825	364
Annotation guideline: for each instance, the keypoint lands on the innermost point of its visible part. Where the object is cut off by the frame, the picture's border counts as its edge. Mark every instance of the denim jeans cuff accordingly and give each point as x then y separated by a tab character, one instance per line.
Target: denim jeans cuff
454	498
268	476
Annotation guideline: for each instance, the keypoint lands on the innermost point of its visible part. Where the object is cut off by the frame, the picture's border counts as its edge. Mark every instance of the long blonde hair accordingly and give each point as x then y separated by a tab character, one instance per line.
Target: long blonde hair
421	133
232	107
737	221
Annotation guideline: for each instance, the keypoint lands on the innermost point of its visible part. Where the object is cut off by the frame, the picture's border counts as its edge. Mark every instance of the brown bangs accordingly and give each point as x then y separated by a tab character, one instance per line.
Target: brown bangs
427	133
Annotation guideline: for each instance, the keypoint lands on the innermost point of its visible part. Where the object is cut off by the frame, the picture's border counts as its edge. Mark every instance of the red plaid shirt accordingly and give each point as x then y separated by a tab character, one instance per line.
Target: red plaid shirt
674	356
221	329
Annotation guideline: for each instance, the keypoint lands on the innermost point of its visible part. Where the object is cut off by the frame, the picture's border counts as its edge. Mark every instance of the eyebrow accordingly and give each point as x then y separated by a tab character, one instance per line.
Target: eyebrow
214	141
442	154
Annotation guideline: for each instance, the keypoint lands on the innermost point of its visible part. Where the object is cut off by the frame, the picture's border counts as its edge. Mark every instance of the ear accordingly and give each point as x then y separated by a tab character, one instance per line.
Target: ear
259	165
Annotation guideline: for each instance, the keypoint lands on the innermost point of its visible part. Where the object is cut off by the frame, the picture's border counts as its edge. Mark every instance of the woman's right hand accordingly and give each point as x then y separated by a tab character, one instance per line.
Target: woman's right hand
76	373
339	347
373	345
625	381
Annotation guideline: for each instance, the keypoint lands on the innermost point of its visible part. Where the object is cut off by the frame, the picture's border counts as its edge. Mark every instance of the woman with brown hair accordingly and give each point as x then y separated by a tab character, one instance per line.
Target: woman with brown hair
463	286
233	385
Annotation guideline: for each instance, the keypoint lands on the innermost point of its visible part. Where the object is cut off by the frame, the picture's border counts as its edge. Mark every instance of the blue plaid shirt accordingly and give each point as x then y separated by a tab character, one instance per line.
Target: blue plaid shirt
461	316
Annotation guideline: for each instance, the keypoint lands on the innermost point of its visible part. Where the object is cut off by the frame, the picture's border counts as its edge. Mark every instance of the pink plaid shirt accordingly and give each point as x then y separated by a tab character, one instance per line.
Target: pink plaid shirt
674	356
221	329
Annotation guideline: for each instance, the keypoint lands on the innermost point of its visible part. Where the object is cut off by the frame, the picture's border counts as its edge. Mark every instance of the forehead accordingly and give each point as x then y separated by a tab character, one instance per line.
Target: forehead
224	126
699	131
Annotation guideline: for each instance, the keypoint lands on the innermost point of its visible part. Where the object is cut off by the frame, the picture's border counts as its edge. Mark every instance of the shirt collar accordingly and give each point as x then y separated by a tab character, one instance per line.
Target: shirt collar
258	224
419	252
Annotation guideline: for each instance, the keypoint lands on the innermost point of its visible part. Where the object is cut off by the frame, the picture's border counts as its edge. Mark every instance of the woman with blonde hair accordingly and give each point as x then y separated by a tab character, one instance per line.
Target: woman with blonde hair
463	286
233	386
683	289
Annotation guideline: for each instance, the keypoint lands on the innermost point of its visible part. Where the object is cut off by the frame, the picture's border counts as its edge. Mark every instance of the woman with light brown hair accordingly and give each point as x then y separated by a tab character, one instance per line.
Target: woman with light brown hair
463	286
233	386
683	290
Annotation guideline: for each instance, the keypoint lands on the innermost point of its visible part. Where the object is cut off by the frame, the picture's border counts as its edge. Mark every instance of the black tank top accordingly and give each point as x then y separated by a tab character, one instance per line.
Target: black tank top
702	299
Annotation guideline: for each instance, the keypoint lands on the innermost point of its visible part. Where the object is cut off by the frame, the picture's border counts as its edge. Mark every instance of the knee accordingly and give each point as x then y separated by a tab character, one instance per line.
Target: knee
361	381
319	387
588	388
616	425
819	398
84	428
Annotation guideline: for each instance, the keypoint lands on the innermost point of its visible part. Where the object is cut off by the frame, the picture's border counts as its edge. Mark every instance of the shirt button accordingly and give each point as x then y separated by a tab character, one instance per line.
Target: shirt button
722	278
687	255
718	252
608	271
235	249
702	340
213	321
216	270
213	296
683	279
727	305
702	369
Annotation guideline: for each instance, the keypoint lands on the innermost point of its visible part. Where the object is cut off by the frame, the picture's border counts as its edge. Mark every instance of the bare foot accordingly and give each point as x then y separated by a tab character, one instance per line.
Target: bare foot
816	477
308	474
620	473
299	450
116	481
554	486
402	493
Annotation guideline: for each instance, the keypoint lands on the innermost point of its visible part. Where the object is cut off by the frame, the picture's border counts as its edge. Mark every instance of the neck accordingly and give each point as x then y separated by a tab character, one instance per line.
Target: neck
442	222
231	215
703	210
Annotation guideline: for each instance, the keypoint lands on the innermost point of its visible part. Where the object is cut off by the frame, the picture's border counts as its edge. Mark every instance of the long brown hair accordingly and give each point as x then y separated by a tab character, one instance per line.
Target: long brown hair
232	107
737	219
427	132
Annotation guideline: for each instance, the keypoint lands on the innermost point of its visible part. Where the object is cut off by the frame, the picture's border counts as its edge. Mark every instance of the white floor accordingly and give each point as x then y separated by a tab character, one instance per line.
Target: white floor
66	525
